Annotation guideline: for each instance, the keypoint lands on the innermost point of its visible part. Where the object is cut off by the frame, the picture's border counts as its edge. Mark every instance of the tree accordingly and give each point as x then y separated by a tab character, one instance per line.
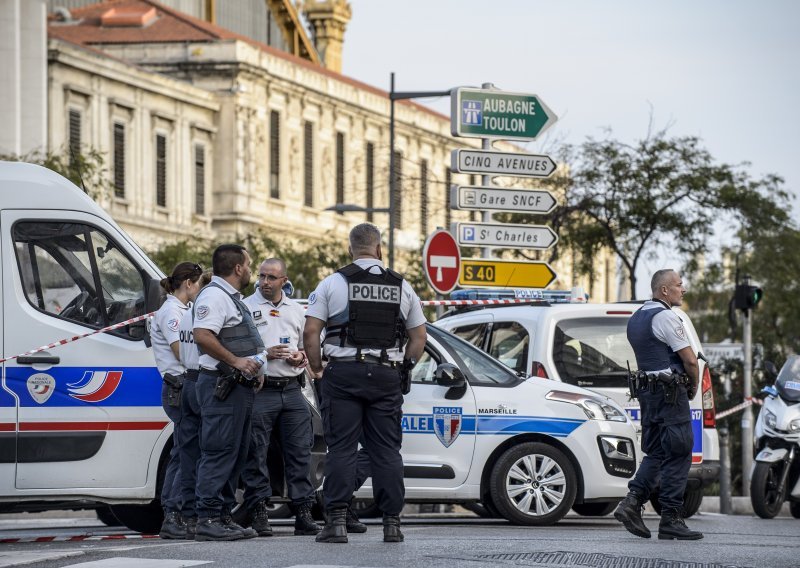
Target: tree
657	191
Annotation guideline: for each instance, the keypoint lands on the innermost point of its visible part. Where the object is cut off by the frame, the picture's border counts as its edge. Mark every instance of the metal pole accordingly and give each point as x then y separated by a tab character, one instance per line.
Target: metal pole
747	415
391	170
486	180
724	471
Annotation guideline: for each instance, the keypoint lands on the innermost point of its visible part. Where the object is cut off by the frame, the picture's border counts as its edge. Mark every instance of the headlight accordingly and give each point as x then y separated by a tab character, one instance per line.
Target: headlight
794	425
770	420
594	407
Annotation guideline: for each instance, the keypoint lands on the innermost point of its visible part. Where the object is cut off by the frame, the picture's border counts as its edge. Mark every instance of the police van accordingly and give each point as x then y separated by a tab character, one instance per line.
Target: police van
81	421
558	335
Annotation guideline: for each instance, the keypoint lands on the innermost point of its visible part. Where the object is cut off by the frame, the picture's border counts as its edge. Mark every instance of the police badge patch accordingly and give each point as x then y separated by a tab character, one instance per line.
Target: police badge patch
41	387
447	423
202	312
680	332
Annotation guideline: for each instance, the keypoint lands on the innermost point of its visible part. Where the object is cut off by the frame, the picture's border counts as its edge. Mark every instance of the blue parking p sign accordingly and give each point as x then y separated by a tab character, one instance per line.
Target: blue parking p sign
467	233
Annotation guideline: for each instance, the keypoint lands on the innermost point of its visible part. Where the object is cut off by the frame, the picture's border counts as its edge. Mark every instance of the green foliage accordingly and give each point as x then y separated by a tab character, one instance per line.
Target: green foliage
87	169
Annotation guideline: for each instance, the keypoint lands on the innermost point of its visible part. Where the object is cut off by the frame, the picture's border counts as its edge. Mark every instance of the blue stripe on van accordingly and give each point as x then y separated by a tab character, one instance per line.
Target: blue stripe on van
496	425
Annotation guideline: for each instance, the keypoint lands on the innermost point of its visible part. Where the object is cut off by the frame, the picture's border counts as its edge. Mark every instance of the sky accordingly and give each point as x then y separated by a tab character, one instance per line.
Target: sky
725	71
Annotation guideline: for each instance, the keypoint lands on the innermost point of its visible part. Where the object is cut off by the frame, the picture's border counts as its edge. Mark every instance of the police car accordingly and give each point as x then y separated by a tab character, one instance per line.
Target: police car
475	430
557	335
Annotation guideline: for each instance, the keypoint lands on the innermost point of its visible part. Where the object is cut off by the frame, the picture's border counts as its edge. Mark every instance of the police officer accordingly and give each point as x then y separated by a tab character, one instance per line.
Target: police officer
368	313
189	426
224	332
281	403
181	286
668	379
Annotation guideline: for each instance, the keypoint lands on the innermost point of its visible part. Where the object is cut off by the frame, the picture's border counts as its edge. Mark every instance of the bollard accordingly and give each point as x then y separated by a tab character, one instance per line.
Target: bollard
724	471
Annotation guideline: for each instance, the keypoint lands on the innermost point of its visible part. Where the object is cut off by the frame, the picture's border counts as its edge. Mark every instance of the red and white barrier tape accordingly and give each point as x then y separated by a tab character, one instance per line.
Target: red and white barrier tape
741	406
78	538
426	303
77	337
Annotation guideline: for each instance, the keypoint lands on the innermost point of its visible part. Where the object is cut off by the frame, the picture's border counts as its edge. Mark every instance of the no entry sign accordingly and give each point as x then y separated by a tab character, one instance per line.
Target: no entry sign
442	261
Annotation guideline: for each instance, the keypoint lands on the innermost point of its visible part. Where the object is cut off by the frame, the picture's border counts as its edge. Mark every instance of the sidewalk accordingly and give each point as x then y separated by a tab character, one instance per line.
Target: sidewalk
739	506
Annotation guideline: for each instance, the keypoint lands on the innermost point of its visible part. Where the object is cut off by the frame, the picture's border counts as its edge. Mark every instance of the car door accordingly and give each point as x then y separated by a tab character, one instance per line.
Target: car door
88	411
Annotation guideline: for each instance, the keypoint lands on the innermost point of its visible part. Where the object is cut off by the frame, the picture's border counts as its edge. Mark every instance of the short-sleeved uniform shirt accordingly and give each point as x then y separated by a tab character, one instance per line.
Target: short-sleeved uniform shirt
287	317
189	354
668	327
213	310
330	299
164	331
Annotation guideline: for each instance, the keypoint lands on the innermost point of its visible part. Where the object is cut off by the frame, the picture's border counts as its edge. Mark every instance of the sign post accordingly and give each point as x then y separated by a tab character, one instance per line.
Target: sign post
479	198
501	163
441	258
505	273
502	235
488	113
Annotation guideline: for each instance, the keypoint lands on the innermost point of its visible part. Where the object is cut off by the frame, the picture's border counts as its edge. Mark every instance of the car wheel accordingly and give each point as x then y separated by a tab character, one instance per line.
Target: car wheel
279	510
366	508
595	509
106	516
533	484
794	509
692	499
480	509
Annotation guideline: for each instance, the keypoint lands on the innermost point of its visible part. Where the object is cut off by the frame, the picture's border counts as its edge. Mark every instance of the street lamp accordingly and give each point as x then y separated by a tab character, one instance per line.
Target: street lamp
347	207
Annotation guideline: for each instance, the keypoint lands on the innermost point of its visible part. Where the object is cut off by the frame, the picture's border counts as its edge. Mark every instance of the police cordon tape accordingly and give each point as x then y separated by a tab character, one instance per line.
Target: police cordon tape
77	337
741	406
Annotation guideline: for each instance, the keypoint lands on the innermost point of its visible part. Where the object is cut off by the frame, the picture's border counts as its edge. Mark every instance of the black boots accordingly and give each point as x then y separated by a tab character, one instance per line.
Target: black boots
391	529
354	525
303	521
629	513
173	526
228	521
673	527
261	519
212	528
336	528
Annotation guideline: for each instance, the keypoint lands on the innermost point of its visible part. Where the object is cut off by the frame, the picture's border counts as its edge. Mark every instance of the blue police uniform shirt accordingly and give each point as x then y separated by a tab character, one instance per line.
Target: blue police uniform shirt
668	328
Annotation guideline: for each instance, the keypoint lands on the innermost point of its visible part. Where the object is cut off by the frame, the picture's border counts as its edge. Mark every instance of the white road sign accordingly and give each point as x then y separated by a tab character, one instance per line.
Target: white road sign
716	353
481	198
501	163
504	235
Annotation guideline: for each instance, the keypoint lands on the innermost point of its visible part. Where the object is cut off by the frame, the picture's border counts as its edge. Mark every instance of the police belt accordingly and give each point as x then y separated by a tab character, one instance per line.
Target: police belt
371	359
192	374
280	382
240	378
666	378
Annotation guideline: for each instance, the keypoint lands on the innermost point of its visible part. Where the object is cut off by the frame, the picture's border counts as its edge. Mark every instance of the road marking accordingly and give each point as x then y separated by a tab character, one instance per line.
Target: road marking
124	562
17	558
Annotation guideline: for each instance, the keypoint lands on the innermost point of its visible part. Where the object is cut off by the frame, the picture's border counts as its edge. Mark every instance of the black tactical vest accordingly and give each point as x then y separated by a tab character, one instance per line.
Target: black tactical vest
242	339
373	311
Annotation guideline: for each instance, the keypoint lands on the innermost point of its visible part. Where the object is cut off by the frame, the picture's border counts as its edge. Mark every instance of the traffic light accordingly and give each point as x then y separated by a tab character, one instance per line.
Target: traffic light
747	297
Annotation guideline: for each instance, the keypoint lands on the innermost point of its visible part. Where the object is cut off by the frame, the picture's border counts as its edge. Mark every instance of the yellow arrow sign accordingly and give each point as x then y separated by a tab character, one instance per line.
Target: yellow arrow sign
504	273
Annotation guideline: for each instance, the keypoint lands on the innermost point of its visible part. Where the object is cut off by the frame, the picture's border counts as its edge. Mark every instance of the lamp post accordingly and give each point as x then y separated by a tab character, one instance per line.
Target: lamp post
393	198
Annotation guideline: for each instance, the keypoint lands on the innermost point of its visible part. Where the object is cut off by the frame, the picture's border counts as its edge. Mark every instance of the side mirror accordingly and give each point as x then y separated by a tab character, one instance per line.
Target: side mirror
448	375
771	369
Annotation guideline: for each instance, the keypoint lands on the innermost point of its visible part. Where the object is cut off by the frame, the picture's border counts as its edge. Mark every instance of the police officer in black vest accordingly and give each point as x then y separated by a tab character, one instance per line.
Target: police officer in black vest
667	379
227	340
374	332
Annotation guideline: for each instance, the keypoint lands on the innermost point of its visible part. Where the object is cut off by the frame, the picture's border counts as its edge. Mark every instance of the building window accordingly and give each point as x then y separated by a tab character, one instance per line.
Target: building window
448	215
370	179
200	179
274	154
423	197
161	170
119	160
340	169
397	202
74	136
308	169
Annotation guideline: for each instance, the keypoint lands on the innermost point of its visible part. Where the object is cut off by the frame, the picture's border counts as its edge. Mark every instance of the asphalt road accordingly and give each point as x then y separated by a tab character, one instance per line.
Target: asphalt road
443	541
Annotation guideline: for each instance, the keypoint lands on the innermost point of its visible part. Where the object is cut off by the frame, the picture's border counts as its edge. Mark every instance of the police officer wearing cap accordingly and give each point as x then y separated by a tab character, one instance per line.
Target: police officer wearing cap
224	332
667	380
280	403
374	327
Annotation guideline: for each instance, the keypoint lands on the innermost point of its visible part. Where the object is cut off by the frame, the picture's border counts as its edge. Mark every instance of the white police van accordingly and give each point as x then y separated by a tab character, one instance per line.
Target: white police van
561	337
528	449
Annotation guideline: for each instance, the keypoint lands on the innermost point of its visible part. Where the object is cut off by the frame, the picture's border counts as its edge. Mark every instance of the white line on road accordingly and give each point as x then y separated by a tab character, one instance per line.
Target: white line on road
21	558
123	562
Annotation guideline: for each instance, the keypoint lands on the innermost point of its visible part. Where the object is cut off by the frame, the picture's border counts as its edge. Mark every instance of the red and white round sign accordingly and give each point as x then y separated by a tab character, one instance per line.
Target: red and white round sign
442	259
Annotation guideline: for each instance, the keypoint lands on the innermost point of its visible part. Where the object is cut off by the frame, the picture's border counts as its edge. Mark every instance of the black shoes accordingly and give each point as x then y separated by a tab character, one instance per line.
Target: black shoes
228	521
629	513
673	527
173	526
213	528
391	529
303	522
336	528
191	527
261	519
354	525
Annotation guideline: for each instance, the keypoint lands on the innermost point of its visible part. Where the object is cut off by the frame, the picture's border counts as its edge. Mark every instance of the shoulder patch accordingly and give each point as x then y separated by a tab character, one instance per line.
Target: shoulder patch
173	324
312	298
680	332
201	312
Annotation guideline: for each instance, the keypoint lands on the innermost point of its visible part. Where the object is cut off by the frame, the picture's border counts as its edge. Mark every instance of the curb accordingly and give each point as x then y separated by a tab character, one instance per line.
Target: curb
739	506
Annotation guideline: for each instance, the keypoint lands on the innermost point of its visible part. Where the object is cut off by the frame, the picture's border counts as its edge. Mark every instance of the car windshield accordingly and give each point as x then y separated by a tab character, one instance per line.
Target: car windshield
479	368
593	352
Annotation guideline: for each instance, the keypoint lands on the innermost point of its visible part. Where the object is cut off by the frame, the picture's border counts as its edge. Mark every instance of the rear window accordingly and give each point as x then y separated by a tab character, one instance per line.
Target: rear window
593	352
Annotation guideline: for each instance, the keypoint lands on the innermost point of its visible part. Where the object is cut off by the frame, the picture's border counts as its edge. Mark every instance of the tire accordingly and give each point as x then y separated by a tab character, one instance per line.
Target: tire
692	499
480	509
595	509
279	510
764	496
533	484
794	509
106	516
366	508
146	519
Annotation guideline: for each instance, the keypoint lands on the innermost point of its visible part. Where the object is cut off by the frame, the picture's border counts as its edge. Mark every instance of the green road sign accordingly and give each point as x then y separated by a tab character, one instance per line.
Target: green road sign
485	113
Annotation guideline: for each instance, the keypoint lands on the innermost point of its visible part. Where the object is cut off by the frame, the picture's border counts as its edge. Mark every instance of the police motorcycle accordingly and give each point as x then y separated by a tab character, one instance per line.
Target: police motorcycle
775	476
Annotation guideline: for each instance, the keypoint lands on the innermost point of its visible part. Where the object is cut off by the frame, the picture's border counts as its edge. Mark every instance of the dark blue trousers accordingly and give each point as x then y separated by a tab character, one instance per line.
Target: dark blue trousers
363	399
224	441
171	489
667	441
287	409
189	431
